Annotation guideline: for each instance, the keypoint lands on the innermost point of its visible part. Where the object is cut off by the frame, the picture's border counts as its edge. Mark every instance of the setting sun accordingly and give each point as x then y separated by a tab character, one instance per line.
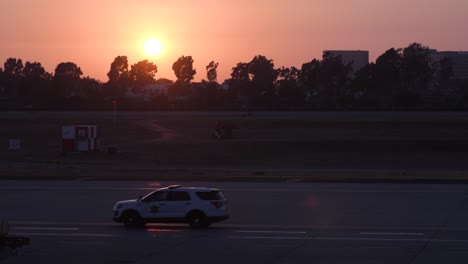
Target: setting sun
153	47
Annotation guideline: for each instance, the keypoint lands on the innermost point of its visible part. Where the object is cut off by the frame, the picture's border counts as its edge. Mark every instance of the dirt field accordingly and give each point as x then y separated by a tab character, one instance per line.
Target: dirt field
265	146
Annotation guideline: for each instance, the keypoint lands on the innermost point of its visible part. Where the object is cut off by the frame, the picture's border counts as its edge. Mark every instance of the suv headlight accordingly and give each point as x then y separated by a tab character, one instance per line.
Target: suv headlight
118	206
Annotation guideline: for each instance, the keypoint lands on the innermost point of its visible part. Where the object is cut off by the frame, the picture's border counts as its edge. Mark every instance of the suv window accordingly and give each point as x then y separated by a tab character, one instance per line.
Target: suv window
157	197
211	195
179	196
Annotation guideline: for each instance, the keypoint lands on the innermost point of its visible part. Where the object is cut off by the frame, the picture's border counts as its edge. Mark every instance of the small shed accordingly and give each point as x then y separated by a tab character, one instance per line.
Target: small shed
80	138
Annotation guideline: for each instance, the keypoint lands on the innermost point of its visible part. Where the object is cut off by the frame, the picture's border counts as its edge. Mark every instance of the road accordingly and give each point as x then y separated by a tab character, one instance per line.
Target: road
70	222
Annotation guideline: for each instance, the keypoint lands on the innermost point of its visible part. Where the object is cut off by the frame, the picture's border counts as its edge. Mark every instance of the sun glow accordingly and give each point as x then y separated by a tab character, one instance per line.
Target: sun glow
153	47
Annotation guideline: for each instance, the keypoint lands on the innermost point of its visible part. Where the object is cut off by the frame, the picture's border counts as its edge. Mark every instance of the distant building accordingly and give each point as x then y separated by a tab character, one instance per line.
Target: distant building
359	58
150	89
459	60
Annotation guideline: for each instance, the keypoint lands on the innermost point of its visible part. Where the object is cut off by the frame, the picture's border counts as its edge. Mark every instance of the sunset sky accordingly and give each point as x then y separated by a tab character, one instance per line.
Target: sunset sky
91	33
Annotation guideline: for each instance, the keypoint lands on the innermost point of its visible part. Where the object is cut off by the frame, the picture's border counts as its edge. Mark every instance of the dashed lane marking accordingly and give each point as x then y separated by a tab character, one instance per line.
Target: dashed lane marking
47	223
47	228
271	232
391	234
64	234
86	179
348	239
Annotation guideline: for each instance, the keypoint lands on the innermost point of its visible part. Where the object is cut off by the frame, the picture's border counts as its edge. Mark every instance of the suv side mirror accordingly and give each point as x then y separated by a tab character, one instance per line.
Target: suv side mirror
139	198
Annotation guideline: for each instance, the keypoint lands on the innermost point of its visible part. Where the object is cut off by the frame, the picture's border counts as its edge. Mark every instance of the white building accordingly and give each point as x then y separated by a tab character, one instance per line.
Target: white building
359	58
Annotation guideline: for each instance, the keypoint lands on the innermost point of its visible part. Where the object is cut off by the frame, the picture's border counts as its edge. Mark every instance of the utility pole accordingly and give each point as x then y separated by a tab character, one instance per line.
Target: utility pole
114	102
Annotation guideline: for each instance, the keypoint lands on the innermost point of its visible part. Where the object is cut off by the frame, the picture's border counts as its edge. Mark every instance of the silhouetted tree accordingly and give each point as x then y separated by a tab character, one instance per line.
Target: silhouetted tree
11	77
263	75
335	75
183	69
91	92
118	68
164	81
66	80
310	78
141	74
68	71
64	84
3	89
34	82
119	77
361	84
33	71
178	89
387	73
239	83
241	72
400	77
326	82
289	90
416	67
463	94
13	68
160	98
389	64
211	71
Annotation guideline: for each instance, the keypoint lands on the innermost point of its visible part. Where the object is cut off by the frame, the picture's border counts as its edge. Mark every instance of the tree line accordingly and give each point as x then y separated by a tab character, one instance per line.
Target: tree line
400	79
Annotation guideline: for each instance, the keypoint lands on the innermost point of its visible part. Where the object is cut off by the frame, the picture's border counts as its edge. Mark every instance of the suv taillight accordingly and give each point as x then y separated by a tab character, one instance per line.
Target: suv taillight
217	204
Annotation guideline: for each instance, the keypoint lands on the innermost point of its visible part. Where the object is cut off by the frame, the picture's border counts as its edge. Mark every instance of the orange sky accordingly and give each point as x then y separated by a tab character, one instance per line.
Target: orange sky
92	33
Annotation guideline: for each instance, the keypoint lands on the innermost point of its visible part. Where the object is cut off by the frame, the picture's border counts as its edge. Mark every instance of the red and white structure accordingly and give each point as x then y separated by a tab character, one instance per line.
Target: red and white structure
80	138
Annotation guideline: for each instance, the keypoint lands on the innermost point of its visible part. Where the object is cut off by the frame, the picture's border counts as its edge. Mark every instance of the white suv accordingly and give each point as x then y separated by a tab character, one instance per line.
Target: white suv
198	207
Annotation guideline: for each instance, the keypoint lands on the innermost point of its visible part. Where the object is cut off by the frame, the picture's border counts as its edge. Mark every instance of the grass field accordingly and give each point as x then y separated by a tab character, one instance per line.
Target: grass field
265	146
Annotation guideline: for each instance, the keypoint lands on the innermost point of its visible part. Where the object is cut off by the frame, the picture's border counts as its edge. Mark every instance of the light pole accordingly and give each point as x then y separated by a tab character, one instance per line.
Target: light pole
114	102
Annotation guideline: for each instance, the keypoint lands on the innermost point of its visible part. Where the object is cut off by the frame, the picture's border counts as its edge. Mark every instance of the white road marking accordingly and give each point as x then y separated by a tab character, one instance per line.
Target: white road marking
343	191
271	232
266	245
369	239
350	239
160	230
267	237
62	223
42	188
85	179
47	228
63	234
342	227
391	234
82	243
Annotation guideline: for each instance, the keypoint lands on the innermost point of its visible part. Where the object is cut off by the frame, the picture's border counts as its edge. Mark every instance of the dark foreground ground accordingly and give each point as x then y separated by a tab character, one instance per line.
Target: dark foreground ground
265	146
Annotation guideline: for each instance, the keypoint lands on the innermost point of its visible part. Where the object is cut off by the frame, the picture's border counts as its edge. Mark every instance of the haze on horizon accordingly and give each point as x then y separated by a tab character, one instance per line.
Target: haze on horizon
92	33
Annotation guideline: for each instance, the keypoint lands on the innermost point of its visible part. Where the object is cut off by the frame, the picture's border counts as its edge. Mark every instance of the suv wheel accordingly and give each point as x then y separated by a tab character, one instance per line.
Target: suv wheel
198	220
132	219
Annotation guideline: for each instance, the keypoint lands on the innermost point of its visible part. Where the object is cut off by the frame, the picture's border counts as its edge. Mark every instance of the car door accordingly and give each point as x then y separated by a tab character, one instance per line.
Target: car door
177	204
154	206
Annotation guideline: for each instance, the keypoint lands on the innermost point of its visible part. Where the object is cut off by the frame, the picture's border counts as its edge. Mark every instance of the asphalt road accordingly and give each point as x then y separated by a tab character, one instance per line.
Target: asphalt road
70	222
